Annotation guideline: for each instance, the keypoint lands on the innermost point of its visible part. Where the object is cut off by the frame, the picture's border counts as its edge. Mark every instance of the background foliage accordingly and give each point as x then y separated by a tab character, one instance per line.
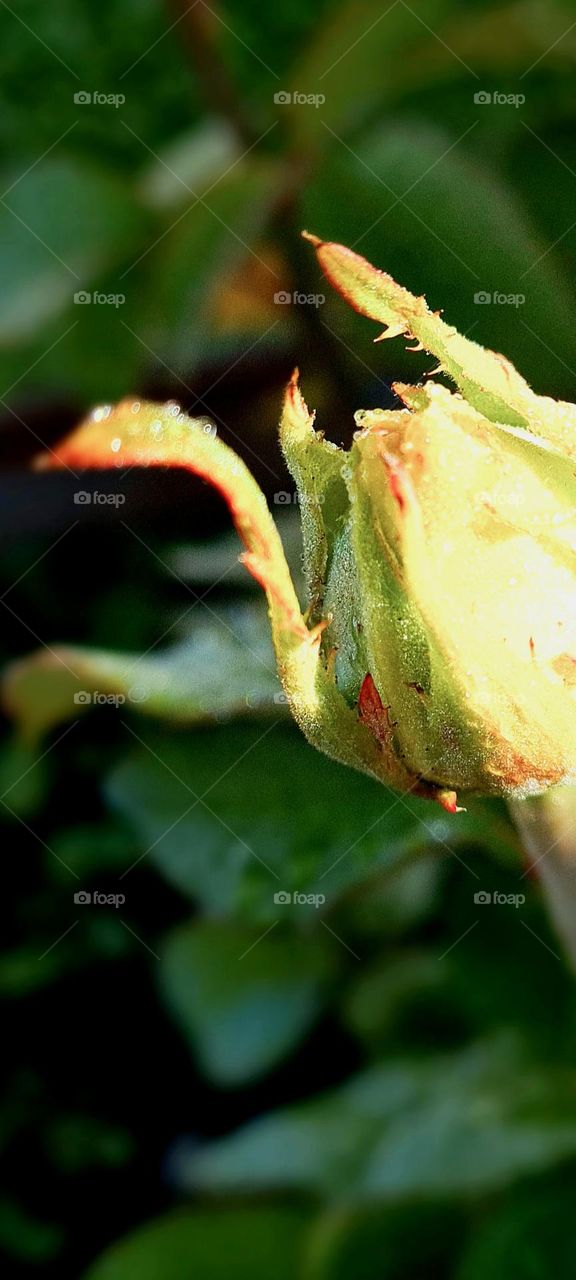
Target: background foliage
203	1081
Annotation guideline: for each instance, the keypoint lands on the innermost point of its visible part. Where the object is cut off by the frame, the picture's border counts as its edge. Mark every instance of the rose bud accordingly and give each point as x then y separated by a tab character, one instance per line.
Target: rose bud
441	554
437	650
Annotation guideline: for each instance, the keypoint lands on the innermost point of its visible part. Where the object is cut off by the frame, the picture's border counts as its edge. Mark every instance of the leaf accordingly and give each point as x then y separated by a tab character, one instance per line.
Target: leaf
376	1242
28	1238
249	1244
197	257
243	1001
184	684
459	1125
487	380
367	59
61	229
261	828
356	62
530	1237
194	159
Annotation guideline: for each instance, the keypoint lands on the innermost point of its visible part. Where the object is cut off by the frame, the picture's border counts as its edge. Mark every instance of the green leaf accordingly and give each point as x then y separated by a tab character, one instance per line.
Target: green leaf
250	1244
183	684
530	1237
459	1125
261	828
243	1001
61	229
378	1242
25	1237
197	256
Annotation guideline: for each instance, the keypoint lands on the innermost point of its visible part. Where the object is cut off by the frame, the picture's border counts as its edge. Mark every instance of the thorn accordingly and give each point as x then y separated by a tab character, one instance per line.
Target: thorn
391	331
312	239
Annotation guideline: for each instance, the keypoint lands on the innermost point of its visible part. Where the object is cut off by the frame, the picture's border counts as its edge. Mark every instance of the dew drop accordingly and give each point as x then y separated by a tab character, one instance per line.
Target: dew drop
116	444
101	413
135	407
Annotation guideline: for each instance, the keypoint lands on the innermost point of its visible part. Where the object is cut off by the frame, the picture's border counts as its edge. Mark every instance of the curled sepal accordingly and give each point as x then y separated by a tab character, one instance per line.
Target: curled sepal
141	434
486	379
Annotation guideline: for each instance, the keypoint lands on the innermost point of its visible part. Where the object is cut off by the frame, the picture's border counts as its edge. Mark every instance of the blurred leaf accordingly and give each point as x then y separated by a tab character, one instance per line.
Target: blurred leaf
250	1244
202	563
261	828
92	849
366	59
379	996
77	1142
382	1242
185	684
25	1237
62	226
24	777
402	900
531	1237
21	971
456	1125
192	160
213	235
243	1001
356	59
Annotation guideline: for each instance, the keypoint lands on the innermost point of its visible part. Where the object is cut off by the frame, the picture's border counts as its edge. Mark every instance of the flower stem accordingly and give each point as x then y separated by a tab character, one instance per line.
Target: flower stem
546	825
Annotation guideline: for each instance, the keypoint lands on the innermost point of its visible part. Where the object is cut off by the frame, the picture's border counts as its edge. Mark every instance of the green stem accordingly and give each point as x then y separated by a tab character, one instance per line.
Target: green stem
547	827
